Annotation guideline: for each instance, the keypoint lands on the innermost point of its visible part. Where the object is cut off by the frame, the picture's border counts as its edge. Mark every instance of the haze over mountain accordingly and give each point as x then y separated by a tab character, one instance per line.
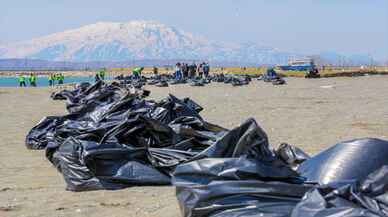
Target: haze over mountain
138	40
135	40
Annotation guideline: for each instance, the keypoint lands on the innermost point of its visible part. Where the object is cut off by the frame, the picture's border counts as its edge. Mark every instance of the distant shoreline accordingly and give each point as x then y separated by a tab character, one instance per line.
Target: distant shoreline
327	72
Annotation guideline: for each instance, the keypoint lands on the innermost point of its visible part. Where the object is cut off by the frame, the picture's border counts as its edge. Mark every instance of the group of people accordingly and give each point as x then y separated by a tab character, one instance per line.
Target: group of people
31	79
183	70
52	78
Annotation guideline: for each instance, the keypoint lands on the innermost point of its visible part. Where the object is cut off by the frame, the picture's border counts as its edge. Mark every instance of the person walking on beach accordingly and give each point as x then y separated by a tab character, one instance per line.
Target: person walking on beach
32	80
51	80
61	78
206	69
22	80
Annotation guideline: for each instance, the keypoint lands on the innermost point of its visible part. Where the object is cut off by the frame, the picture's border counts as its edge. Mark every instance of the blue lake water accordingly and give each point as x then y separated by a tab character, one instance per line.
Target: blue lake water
43	81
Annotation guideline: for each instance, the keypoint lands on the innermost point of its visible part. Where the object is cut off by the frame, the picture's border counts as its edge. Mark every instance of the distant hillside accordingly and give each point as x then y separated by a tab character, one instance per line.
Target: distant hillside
136	40
151	42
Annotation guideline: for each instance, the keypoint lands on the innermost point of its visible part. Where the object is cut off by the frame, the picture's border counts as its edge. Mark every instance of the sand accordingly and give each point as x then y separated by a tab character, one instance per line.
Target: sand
312	114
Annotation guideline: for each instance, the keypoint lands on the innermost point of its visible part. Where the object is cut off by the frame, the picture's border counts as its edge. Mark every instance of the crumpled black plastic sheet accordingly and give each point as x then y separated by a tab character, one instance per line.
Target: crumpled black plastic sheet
291	155
41	134
367	197
164	80
256	186
247	180
350	160
113	138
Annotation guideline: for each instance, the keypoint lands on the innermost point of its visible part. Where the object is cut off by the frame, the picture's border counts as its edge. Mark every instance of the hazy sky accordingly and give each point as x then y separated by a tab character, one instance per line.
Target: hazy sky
309	26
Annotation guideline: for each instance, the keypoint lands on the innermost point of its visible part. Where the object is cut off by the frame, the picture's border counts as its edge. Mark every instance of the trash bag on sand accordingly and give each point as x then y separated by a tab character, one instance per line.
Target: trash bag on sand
367	198
278	81
235	187
246	179
40	135
349	160
120	161
251	186
112	138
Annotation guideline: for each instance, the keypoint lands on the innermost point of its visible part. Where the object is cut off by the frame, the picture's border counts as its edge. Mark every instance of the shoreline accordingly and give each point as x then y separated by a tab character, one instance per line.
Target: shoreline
254	83
344	72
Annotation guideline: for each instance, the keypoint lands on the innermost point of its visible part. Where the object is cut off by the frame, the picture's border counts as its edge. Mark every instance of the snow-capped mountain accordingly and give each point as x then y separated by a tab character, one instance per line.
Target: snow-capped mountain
136	40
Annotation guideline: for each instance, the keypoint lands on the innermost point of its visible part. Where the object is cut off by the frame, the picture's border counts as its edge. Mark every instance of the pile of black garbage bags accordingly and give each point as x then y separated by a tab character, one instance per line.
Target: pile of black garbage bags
166	80
113	138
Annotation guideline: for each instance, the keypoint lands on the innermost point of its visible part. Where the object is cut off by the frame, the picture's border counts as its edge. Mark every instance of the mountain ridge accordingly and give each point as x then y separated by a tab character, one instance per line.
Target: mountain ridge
111	41
145	40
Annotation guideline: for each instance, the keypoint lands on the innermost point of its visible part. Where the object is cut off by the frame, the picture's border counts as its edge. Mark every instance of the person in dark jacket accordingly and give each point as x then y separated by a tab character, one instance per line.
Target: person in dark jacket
155	70
206	69
193	70
185	70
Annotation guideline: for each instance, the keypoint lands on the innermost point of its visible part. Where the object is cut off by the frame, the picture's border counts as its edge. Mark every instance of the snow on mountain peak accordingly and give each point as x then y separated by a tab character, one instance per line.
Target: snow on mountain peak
134	40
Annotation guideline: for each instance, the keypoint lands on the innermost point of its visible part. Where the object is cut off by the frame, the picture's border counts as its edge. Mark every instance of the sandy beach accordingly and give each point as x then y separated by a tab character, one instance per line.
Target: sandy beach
312	114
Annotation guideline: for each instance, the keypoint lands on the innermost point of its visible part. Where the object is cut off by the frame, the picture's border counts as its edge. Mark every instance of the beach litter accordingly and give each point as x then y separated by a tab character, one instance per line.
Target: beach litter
113	138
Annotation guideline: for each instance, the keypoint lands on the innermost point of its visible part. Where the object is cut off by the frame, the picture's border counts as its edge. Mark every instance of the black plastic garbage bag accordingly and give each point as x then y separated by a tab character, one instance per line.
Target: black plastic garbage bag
247	139
196	129
88	165
354	159
70	94
139	151
113	138
368	198
292	155
230	198
171	108
98	95
40	135
236	187
239	81
162	84
153	82
278	81
139	131
238	176
197	83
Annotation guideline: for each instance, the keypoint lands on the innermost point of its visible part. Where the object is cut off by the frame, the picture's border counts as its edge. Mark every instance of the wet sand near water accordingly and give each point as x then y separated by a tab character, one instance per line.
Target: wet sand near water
312	114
